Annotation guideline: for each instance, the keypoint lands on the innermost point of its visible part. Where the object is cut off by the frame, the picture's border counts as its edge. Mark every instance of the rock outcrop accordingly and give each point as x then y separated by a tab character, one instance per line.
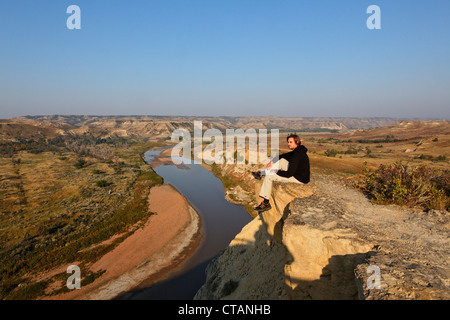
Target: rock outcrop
327	241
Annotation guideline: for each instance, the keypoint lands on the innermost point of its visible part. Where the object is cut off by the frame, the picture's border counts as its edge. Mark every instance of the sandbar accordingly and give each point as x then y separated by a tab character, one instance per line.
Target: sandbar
168	238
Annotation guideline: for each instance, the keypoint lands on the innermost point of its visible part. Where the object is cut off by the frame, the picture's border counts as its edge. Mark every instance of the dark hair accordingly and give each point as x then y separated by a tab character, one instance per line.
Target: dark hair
296	139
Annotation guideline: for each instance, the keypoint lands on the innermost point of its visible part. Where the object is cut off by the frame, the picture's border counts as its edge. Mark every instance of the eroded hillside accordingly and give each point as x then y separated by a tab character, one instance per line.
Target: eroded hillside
65	179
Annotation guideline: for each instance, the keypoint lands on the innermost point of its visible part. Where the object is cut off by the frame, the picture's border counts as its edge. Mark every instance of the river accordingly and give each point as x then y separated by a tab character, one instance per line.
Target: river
221	221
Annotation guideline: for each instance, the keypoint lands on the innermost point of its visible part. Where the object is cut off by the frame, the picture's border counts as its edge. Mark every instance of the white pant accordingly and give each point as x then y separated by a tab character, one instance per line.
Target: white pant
270	177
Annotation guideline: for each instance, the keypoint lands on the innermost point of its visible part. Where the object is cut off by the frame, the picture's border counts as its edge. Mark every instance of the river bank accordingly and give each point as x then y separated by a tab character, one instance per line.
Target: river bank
168	238
175	268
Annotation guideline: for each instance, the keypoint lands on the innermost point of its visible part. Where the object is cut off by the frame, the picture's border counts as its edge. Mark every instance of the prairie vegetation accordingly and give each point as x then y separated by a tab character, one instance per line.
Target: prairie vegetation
61	199
405	164
402	184
70	198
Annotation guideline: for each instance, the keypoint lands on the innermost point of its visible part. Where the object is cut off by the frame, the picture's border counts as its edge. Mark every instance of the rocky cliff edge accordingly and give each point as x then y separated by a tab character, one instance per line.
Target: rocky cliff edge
325	240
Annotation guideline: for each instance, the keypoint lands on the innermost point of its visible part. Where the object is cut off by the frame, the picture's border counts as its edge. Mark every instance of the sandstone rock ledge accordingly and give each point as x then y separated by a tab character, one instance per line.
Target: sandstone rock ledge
318	241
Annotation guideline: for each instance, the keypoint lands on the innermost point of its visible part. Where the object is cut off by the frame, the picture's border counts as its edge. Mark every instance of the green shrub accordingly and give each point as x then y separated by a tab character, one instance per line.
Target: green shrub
29	291
80	163
103	183
351	150
331	152
405	185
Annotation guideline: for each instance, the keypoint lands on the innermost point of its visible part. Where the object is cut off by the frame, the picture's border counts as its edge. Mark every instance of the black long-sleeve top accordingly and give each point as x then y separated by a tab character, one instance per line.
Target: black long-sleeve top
298	164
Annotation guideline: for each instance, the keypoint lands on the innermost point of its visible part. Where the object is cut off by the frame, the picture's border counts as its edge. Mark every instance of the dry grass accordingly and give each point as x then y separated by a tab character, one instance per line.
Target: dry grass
432	150
420	146
405	185
51	209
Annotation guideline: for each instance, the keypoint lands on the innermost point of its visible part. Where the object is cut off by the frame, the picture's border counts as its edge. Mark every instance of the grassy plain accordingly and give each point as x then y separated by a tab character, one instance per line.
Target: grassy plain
60	207
70	199
406	163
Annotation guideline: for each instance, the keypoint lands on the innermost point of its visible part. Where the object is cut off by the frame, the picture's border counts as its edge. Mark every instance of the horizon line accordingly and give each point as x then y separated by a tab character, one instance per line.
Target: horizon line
224	116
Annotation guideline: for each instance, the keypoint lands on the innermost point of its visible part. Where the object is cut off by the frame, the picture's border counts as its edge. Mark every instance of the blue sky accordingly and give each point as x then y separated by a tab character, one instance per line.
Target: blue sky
226	58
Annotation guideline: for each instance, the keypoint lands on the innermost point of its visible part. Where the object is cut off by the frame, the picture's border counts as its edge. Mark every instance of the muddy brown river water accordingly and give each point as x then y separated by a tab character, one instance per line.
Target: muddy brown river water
221	221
